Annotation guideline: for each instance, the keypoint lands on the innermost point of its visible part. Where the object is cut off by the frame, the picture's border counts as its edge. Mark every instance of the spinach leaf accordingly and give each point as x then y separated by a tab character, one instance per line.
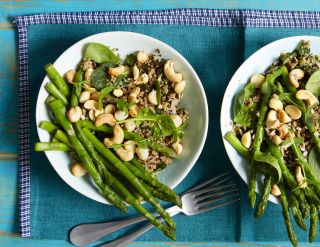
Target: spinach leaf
268	164
103	93
130	59
297	140
313	84
101	54
314	161
99	77
245	114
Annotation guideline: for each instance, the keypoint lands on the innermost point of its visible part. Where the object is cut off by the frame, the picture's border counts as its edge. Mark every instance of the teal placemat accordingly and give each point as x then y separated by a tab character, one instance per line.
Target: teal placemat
215	53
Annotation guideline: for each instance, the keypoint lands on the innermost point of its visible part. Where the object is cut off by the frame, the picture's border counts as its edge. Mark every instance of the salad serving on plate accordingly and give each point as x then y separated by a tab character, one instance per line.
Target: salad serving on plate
120	121
276	128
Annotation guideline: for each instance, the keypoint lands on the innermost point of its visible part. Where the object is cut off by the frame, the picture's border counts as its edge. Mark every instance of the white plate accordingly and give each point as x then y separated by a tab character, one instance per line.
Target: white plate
194	100
256	63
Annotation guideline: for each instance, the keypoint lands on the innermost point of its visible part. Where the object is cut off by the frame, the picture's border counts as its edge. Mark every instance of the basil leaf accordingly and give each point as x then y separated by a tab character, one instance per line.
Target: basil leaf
269	165
101	54
100	78
313	84
314	161
130	59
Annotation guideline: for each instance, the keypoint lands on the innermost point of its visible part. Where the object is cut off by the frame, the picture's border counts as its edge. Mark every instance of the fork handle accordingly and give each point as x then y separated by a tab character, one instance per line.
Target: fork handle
87	233
123	241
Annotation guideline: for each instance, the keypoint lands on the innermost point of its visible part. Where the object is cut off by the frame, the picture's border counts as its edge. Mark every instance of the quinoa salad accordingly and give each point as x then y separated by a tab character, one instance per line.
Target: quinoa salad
276	128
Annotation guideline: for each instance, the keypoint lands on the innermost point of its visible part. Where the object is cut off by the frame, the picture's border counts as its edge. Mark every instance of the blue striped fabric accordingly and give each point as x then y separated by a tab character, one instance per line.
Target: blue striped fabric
195	17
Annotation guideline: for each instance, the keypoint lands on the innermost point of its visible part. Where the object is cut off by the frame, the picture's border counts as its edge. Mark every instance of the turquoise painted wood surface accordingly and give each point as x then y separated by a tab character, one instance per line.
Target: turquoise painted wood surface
9	89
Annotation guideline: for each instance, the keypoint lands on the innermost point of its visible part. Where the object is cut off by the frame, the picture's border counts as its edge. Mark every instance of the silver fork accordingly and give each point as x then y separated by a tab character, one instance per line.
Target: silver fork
213	193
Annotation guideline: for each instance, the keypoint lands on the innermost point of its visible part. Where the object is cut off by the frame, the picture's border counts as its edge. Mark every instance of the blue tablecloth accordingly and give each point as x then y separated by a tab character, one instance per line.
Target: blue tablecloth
215	42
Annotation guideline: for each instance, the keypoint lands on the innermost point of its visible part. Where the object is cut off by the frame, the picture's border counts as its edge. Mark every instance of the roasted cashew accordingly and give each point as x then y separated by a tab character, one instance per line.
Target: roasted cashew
117	70
309	97
105	118
170	73
294	76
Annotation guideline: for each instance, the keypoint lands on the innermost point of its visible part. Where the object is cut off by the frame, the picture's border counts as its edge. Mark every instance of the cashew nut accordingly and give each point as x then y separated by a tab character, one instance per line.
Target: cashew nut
142	57
275	104
91	115
130	125
88	73
110	108
283	131
257	80
133	111
170	73
246	139
142	79
276	139
117	92
78	170
134	95
283	116
98	112
293	112
177	147
143	153
152	97
91	104
294	76
118	137
176	120
105	118
84	96
300	178
117	70
74	114
120	115
272	122
179	86
135	72
130	145
309	97
70	75
125	155
88	88
275	190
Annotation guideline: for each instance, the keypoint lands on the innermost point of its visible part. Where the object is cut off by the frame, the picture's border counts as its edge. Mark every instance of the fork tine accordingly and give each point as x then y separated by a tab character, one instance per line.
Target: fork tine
206	182
212	189
220	193
215	199
202	210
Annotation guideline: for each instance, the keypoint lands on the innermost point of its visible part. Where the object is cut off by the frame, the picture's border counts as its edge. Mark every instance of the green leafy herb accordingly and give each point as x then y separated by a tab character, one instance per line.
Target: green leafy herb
103	93
143	143
124	105
297	140
101	54
314	161
121	79
269	165
313	84
100	78
158	89
245	114
130	59
290	98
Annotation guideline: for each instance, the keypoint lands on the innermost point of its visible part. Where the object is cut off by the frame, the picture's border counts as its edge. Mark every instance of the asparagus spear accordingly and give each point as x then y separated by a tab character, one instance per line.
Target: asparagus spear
160	187
296	212
236	143
56	78
130	199
131	136
62	137
290	180
264	198
126	173
49	99
50	146
53	90
48	126
313	223
286	216
59	110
